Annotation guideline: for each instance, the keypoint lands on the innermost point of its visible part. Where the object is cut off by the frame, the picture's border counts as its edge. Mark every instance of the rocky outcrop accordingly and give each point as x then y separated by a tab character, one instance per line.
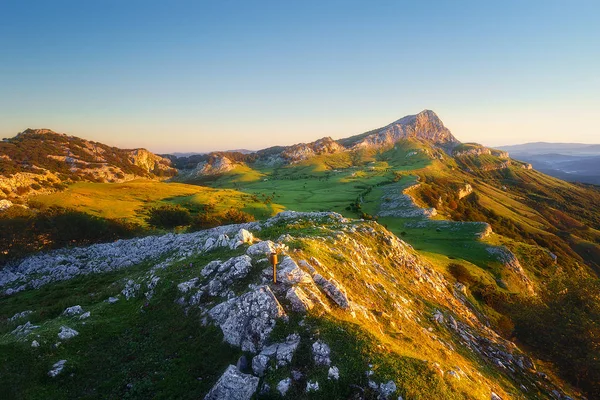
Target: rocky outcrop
214	166
303	151
511	262
425	125
233	385
464	191
151	162
247	321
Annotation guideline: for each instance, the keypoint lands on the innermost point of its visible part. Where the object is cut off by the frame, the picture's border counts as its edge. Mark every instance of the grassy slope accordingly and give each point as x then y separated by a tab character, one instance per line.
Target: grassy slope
158	352
129	200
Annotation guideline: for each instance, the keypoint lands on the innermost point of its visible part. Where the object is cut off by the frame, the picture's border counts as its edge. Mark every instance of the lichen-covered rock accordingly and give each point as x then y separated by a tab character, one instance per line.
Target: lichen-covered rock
259	364
25	329
299	300
286	350
333	373
131	289
20	315
74	310
284	385
247	320
261	249
67	333
233	385
333	290
321	353
289	273
57	368
312	386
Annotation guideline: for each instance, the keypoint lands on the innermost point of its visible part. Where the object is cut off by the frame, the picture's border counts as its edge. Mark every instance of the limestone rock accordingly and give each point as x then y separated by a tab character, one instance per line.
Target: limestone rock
289	273
71	311
299	300
25	329
67	333
35	343
260	364
57	368
233	385
333	373
321	353
333	290
387	389
312	386
284	385
20	315
247	320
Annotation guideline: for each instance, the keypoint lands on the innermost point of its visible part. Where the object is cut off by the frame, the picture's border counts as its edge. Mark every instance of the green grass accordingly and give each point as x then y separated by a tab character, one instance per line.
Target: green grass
130	200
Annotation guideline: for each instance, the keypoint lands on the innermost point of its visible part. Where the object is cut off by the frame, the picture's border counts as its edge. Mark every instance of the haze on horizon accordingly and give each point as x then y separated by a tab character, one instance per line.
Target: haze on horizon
200	76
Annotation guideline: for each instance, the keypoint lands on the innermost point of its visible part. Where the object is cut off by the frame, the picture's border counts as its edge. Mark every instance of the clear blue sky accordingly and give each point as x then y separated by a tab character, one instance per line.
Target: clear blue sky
206	75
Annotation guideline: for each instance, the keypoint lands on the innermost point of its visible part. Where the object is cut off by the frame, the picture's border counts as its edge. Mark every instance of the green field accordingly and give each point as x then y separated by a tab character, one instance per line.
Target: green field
130	200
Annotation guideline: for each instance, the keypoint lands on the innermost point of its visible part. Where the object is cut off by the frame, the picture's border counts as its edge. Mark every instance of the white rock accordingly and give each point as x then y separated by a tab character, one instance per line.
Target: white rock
387	389
67	333
284	385
233	385
334	373
74	310
312	386
321	353
20	315
35	343
260	364
85	315
57	368
112	300
25	329
299	300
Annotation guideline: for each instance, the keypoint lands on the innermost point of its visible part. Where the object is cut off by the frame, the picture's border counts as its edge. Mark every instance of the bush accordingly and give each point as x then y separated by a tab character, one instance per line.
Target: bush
168	217
461	273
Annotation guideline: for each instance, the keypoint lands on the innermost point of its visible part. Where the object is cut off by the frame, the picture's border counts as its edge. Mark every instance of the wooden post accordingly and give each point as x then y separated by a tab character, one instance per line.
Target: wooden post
273	259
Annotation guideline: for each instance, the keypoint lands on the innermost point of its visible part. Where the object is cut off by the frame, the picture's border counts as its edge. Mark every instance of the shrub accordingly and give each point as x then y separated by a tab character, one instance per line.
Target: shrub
168	217
461	273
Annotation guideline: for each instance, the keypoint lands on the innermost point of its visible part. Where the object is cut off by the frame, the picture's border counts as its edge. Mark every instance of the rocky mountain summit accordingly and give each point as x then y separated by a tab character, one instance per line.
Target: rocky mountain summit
42	161
355	312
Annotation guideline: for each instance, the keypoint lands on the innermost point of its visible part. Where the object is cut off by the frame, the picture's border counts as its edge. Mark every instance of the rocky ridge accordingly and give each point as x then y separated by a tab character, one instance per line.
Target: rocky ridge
39	161
348	272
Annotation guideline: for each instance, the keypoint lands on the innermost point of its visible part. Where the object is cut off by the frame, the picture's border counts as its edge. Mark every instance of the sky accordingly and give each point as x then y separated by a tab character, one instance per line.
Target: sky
185	76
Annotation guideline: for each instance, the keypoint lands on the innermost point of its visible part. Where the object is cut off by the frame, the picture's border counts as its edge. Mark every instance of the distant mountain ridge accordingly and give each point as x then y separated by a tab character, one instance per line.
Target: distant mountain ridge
574	162
41	160
424	126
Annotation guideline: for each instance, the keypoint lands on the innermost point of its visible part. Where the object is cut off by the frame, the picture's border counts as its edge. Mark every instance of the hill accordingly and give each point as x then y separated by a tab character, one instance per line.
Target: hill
355	313
426	267
42	161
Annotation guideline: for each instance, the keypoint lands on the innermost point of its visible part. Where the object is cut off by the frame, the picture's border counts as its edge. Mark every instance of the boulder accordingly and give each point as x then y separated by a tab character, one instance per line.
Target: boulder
284	385
333	290
289	273
247	320
74	310
67	333
321	353
333	373
299	300
260	364
233	385
57	368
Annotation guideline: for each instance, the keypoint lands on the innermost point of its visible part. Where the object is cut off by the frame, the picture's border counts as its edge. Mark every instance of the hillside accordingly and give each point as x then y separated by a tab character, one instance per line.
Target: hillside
424	267
355	313
42	161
